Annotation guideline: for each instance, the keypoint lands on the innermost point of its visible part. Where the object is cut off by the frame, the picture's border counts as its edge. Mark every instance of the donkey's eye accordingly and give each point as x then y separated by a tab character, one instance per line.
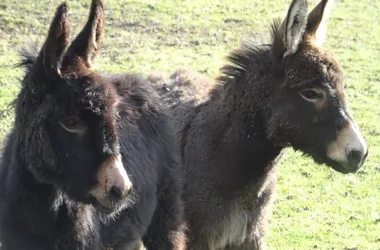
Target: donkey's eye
312	95
72	124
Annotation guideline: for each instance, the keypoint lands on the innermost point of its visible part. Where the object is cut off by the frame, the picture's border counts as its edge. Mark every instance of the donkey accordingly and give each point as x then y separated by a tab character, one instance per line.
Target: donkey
288	92
91	161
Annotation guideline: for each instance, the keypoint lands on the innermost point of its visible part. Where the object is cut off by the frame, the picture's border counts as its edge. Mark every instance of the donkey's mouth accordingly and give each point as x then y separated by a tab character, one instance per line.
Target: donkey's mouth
341	168
337	166
105	207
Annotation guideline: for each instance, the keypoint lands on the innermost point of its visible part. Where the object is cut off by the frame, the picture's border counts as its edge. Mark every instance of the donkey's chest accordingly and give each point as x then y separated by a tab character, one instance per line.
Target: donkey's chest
231	229
242	217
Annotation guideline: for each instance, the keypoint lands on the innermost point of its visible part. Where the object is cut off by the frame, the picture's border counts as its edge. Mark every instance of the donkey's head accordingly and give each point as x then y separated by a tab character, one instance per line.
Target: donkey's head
309	105
67	115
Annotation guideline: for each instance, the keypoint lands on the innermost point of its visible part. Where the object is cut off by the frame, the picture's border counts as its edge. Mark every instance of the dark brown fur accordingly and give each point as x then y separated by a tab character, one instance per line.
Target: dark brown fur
232	135
78	136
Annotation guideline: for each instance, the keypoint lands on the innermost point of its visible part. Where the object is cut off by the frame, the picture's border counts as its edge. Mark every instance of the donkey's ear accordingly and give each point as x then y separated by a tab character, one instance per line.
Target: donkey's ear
317	22
293	27
86	45
56	42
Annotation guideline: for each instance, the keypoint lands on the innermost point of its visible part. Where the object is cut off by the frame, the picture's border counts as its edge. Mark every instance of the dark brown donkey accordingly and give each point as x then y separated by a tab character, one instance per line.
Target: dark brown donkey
91	160
285	93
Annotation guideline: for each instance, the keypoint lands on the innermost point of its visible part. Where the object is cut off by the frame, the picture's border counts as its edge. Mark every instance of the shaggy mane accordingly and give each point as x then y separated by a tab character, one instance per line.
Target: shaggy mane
28	56
238	61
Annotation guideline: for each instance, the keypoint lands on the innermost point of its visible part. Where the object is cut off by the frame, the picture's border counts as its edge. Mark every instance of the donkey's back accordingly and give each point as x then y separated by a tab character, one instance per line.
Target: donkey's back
182	86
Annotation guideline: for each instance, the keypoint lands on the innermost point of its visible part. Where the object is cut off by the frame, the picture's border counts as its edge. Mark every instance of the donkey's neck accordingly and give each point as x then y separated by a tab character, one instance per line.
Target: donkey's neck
238	115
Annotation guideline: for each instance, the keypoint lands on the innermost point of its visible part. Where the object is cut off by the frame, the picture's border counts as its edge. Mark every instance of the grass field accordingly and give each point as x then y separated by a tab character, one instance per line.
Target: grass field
316	208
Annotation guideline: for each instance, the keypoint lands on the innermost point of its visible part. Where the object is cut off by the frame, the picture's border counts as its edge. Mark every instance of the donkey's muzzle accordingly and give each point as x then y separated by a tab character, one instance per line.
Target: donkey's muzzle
349	151
113	185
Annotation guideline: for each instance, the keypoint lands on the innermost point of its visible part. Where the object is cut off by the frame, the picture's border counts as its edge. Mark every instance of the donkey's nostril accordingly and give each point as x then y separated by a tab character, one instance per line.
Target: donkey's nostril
355	158
116	194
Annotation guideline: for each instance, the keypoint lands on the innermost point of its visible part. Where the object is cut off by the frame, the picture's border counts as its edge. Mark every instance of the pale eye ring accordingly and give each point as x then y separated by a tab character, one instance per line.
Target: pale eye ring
73	124
312	95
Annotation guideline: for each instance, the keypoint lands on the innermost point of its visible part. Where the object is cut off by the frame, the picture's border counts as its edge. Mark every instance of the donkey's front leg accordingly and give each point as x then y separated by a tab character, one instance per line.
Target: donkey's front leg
168	237
167	230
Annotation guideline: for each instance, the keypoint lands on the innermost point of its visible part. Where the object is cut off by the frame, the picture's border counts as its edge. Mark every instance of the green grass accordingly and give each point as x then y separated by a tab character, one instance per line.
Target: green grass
316	208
